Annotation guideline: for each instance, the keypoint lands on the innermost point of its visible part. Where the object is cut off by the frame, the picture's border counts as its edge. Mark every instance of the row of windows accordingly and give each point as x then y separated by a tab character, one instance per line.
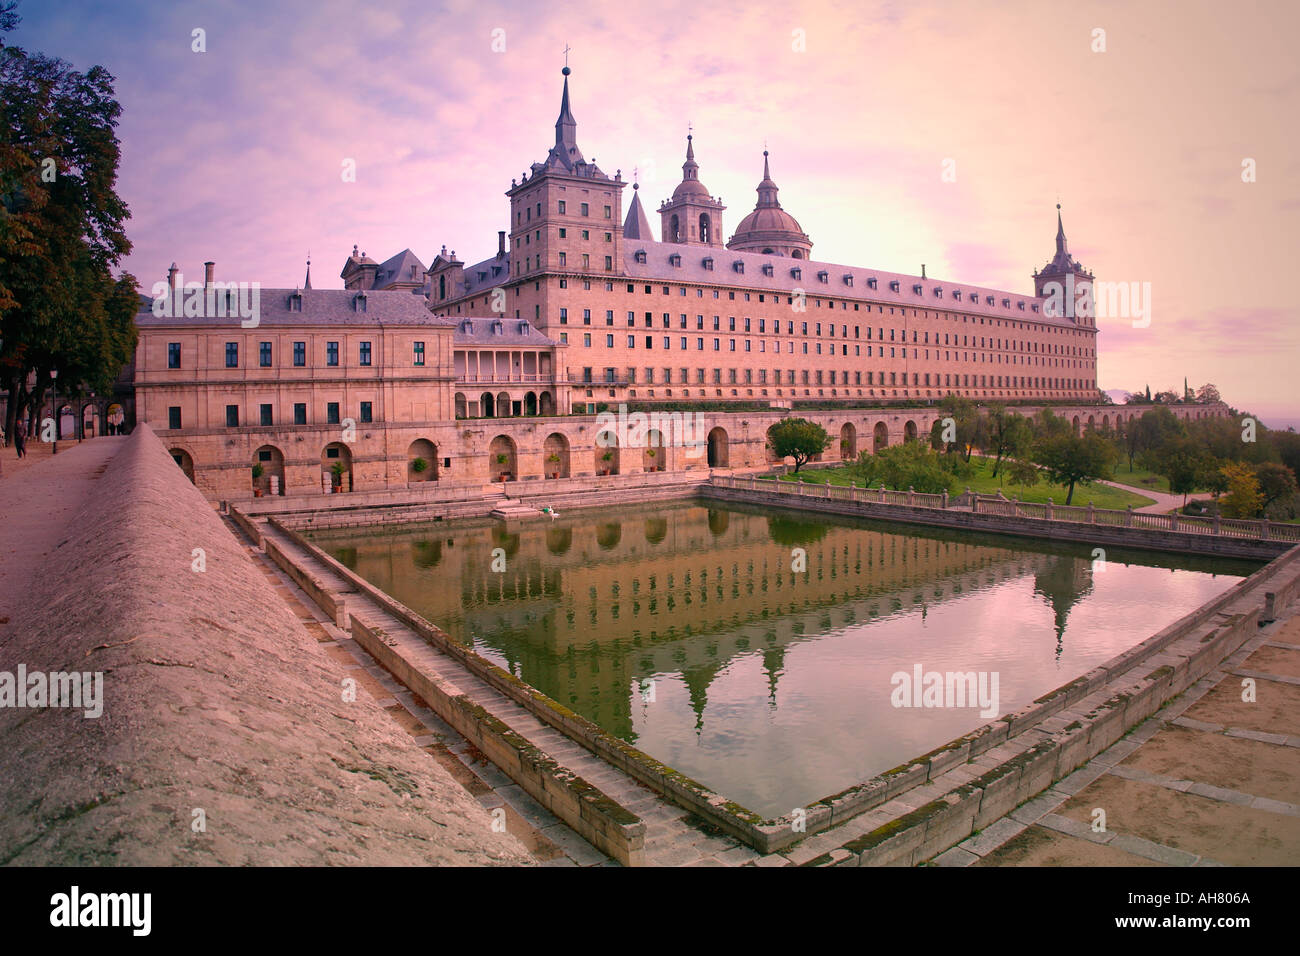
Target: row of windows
264	354
266	414
894	334
807	377
562	207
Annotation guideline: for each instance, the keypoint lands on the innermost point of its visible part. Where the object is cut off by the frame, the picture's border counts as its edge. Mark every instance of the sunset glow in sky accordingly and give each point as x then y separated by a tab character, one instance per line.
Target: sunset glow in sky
235	154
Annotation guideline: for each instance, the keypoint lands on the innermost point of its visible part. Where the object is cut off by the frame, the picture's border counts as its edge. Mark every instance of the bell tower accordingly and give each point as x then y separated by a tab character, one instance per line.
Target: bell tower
692	216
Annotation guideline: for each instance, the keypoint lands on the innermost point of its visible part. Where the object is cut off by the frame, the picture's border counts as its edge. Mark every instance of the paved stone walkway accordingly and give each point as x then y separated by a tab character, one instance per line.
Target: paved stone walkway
1164	502
1210	780
39	496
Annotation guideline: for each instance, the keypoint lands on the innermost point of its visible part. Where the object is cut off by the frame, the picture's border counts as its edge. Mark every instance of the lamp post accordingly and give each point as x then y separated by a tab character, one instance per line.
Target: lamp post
54	388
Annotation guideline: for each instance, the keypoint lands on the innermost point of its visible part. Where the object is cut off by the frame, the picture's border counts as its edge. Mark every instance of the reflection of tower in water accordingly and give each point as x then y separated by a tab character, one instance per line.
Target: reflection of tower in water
1063	580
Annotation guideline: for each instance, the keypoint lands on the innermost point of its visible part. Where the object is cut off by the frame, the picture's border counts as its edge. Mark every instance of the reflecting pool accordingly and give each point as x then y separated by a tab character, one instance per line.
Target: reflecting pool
759	651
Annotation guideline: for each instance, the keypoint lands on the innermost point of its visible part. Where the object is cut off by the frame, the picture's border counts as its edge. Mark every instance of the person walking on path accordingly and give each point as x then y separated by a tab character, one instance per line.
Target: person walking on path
20	439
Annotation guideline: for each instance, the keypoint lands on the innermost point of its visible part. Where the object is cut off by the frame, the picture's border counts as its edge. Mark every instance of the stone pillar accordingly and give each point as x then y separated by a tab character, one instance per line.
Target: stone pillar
1049	509
1128	517
1216	522
1263	528
911	496
945	499
828	488
1092	514
882	492
1173	521
852	490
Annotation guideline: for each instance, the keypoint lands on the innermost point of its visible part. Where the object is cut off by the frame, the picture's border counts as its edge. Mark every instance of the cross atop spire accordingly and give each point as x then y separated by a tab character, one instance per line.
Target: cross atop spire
567	48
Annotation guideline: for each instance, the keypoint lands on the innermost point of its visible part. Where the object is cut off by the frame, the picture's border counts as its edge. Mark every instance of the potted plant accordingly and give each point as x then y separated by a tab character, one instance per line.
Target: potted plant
336	477
607	458
419	466
258	471
554	459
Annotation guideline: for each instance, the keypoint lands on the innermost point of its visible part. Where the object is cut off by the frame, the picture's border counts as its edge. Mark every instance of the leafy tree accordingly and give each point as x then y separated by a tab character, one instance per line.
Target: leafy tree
969	426
1276	482
1009	434
1243	498
799	439
1182	462
1167	397
1047	425
1071	461
1208	393
909	465
1023	474
61	230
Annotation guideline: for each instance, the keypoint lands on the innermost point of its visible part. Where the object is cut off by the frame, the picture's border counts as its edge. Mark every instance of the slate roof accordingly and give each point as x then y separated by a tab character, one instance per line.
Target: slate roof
398	269
496	272
657	268
319	307
637	224
494	330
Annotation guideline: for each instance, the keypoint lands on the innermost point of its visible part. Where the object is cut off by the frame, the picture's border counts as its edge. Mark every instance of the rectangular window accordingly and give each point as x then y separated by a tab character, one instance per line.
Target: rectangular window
332	413
365	353
586	209
331	353
265	415
174	416
366	413
419	353
561	207
264	354
232	416
173	355
299	413
232	355
299	354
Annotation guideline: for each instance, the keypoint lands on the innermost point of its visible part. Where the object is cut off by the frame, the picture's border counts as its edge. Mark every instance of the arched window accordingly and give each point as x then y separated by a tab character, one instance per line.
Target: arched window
675	230
704	227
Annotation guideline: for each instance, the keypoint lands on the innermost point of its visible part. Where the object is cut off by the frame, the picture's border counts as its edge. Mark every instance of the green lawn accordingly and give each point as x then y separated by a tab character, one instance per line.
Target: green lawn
983	482
1137	478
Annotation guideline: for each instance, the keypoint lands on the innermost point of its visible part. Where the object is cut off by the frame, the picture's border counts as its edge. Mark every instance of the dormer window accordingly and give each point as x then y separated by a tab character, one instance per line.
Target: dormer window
1006	303
768	269
1020	306
523	328
938	292
497	328
1034	306
359	302
796	273
989	300
738	266
675	260
468	326
823	276
956	294
894	286
482	277
917	290
708	263
295	302
639	255
848	279
871	283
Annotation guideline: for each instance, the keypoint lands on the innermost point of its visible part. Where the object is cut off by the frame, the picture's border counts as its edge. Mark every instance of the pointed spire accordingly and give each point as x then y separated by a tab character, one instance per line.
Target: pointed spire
1060	233
767	189
690	168
307	282
637	224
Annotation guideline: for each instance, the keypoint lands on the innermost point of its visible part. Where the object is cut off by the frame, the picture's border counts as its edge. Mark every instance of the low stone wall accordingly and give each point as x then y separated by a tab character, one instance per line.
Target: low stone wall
225	737
1143	538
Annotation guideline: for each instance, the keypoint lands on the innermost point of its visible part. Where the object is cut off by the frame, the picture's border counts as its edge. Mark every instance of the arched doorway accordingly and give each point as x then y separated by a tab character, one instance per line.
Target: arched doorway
848	441
183	459
462	406
336	467
530	403
1092	422
1077	431
555	451
879	437
114	419
909	431
607	453
546	404
268	471
89	421
67	423
654	458
422	461
487	405
502	458
503	404
719	453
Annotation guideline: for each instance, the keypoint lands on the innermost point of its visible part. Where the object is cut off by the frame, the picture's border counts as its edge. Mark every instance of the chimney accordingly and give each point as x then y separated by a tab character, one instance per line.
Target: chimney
207	274
171	276
501	243
922	270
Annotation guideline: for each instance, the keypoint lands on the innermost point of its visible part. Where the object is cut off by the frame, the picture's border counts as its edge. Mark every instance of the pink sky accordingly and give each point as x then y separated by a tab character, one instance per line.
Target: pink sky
235	154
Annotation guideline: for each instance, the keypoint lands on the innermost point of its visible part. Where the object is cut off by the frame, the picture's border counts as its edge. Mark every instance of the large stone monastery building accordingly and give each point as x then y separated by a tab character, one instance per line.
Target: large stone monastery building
465	374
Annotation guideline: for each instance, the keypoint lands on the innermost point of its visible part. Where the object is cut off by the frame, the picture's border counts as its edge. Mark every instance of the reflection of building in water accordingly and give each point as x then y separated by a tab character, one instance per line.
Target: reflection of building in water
584	611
